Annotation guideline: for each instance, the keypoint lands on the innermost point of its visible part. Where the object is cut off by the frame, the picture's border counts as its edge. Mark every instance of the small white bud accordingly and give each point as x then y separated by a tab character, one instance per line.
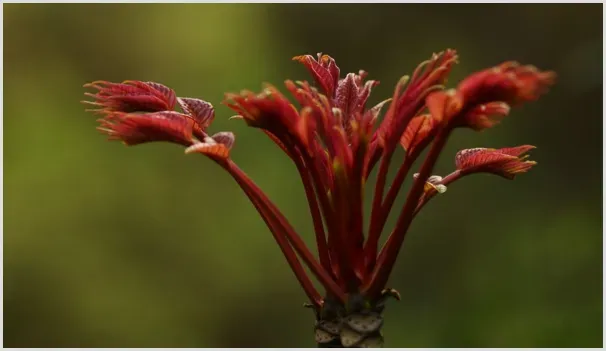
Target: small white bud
434	179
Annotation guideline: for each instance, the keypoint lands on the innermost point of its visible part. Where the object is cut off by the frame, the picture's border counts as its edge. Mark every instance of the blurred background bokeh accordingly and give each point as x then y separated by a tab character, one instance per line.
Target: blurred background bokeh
108	246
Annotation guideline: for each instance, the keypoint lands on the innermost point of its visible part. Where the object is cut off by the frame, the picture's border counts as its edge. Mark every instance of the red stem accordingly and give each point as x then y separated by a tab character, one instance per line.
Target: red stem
291	256
341	247
399	117
346	253
392	247
383	212
392	193
423	201
374	154
380	213
286	230
357	205
374	232
380	219
409	159
296	155
315	214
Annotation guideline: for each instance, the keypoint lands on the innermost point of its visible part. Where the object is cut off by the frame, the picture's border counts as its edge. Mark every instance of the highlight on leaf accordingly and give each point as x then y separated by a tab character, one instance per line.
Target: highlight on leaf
505	162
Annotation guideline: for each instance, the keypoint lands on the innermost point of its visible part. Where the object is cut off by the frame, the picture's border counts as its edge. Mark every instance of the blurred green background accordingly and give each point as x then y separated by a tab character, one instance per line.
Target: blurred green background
108	246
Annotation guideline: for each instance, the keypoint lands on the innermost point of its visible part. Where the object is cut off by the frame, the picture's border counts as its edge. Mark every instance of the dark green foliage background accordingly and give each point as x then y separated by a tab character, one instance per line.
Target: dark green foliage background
112	246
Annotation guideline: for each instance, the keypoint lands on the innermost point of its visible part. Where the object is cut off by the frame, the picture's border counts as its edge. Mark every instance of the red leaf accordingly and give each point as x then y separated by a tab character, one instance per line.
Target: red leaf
516	151
485	116
419	129
226	138
365	93
508	82
269	110
306	125
332	67
324	71
201	111
409	102
346	97
135	129
212	150
164	92
374	111
131	96
444	105
504	162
